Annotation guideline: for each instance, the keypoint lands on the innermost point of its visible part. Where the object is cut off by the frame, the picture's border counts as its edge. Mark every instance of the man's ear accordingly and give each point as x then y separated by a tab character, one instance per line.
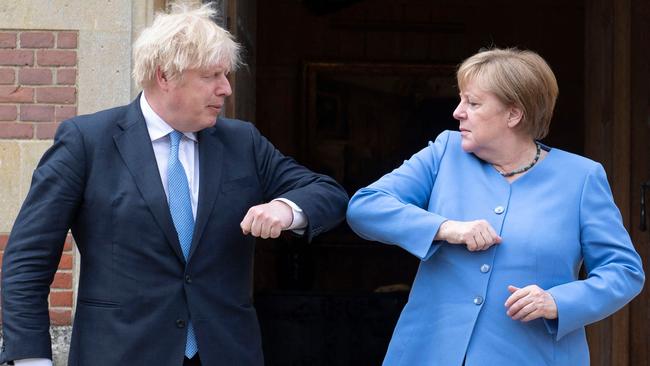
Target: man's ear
515	115
162	80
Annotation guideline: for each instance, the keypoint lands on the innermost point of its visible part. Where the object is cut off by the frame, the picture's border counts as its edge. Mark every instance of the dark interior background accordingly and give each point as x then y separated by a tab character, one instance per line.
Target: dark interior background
346	88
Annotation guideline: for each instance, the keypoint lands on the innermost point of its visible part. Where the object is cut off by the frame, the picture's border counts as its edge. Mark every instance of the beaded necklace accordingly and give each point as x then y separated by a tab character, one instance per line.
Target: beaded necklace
525	168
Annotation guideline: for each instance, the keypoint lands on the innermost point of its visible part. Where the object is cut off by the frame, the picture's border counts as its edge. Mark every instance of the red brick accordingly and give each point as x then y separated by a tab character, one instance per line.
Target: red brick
3	241
30	76
16	57
7	40
61	299
66	76
68	243
46	131
36	40
62	112
61	95
67	40
56	58
66	261
37	113
16	94
60	316
7	76
18	130
8	112
62	280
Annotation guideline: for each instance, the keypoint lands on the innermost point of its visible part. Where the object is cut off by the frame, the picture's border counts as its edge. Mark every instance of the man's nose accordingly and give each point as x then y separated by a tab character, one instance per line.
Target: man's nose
223	88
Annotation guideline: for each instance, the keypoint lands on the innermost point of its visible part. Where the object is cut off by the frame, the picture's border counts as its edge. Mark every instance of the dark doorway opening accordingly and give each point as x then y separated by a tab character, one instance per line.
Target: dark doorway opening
351	90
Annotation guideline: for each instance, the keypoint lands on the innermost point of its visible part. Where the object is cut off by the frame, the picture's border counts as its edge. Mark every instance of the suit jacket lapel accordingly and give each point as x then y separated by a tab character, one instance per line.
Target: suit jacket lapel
134	145
210	168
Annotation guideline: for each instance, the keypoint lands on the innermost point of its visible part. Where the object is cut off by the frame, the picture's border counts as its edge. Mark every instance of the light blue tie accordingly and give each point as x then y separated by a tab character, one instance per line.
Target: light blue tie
180	206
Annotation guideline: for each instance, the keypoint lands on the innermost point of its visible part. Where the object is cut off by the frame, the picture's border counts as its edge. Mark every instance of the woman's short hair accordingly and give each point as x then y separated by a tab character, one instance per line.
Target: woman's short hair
185	38
518	78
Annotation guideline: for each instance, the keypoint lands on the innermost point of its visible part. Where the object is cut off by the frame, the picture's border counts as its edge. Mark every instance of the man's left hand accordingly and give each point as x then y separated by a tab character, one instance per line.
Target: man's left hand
529	303
267	220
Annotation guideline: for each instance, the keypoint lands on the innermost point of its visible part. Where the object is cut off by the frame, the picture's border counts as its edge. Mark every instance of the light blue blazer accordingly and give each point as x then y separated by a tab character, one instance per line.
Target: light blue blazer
557	216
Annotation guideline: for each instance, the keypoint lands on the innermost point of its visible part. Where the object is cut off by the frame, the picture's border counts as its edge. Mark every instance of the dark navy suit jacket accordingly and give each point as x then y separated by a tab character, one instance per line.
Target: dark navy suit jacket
136	292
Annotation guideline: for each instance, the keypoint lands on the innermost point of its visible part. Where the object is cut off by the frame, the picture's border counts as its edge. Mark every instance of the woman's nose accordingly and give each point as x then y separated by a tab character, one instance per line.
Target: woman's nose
459	112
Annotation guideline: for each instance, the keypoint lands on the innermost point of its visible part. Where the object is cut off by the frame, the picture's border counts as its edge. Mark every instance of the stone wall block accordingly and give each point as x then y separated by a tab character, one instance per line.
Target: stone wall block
10	162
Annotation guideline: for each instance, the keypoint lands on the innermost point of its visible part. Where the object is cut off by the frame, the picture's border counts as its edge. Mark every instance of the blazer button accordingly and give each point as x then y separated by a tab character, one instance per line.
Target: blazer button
188	279
478	300
499	210
180	323
485	268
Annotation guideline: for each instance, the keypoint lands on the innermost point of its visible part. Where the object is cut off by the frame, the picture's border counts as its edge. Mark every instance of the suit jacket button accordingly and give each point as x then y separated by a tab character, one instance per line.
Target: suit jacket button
478	300
499	210
188	279
180	323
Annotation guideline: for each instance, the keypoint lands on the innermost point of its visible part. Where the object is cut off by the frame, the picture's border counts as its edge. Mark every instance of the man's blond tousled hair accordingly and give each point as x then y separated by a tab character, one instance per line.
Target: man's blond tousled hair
518	78
184	38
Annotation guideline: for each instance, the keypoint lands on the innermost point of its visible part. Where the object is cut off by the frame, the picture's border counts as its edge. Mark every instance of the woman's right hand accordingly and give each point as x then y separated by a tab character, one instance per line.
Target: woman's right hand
477	235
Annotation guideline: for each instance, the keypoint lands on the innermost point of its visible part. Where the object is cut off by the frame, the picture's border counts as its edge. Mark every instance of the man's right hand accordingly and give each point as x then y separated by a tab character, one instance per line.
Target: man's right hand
477	235
267	220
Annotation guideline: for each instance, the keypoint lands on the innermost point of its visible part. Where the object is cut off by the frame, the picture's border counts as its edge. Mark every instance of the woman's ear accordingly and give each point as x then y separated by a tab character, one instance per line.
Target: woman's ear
515	115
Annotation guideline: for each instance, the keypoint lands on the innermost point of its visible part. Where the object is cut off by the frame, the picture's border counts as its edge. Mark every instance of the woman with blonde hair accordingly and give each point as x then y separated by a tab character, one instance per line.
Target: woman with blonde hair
502	224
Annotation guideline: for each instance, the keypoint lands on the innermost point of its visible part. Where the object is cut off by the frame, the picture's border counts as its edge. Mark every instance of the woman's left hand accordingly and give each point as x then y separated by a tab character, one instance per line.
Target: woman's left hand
529	303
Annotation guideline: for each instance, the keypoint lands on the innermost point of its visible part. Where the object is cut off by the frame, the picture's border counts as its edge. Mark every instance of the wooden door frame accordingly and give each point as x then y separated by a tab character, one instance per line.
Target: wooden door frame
241	21
608	140
640	111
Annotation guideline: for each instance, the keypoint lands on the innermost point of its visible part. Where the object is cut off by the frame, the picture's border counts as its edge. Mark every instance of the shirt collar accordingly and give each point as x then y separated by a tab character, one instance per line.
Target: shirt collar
156	126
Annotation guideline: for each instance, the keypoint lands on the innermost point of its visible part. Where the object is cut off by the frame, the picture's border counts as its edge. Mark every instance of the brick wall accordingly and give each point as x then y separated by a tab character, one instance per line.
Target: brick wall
38	77
61	290
38	90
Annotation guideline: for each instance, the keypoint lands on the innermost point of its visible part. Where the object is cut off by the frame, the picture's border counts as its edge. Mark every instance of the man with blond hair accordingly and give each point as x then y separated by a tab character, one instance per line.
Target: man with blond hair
164	199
